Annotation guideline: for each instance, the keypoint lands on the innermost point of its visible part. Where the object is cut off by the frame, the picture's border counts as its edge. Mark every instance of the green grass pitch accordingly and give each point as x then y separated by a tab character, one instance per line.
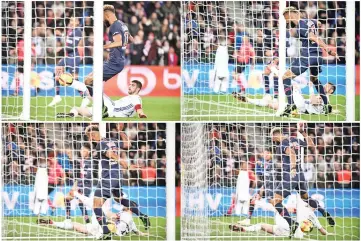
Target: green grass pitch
227	108
156	109
345	229
25	228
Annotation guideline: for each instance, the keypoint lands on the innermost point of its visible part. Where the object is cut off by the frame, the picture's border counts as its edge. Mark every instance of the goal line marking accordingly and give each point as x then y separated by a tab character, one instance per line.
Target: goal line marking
261	113
43	227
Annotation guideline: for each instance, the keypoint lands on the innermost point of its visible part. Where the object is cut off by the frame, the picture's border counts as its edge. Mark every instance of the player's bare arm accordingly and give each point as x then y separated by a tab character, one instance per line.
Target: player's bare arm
125	139
141	113
313	37
118	42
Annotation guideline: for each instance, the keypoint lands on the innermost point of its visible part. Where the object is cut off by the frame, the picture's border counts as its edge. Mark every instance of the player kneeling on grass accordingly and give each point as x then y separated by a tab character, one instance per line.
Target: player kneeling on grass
127	106
305	216
121	223
313	105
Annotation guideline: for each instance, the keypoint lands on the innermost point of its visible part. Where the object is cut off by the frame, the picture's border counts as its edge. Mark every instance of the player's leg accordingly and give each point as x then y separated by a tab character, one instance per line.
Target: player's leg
59	69
79	86
266	75
283	190
76	111
101	193
315	70
83	209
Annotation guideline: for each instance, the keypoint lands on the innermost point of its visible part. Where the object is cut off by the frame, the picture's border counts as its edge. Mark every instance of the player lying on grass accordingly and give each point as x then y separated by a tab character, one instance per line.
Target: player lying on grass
289	148
313	105
281	227
127	106
310	58
120	223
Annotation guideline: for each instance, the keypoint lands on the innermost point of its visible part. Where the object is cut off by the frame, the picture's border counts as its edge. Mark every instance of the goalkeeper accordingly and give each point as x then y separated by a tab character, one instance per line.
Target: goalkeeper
311	58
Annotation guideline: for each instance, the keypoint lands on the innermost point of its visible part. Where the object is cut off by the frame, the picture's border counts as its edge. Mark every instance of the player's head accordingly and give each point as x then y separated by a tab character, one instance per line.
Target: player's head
93	133
109	12
134	87
85	151
276	134
329	88
74	22
291	15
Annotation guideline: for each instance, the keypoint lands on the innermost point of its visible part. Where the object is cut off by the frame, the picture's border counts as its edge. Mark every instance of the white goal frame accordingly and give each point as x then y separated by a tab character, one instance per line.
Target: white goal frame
350	63
97	61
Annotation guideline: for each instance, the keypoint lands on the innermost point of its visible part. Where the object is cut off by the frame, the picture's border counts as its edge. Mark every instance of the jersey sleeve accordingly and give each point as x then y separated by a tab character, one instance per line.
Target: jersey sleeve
137	102
306	26
284	145
116	29
78	34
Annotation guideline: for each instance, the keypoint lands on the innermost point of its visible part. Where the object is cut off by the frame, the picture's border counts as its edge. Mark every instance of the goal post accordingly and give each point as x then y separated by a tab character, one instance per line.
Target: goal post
214	153
37	46
256	34
68	156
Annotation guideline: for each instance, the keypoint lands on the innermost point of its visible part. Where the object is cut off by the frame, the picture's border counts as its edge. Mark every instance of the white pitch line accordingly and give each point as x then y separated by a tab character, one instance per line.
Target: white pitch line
262	113
47	238
49	228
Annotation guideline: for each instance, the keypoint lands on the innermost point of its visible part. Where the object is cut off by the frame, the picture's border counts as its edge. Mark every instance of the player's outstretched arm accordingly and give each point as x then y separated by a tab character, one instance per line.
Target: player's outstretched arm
313	37
141	113
301	129
118	42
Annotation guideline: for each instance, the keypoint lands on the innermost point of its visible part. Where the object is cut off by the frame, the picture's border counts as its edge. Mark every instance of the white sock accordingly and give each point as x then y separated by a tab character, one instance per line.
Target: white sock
63	225
85	200
258	102
80	86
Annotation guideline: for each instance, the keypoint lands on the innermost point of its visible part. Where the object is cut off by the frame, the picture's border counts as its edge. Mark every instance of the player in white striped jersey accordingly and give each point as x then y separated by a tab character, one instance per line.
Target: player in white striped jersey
127	106
313	105
121	223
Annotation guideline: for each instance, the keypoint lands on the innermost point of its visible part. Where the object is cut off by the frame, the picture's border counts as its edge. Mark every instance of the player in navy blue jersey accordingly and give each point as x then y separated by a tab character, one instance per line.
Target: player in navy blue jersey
84	181
110	178
292	175
119	37
310	57
72	59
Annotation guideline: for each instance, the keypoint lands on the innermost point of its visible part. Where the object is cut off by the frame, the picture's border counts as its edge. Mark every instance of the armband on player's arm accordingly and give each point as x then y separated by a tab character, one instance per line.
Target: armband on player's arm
139	110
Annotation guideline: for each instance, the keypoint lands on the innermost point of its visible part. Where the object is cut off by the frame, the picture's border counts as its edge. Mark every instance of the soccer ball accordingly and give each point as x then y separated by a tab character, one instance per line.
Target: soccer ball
66	79
306	226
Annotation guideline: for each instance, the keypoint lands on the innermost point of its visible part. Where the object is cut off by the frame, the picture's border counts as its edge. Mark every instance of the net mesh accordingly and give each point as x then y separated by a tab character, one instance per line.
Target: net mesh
331	170
67	156
243	86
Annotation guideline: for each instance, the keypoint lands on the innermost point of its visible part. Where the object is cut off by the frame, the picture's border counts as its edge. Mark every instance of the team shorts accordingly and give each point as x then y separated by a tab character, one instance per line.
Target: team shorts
111	69
240	68
301	64
285	187
108	185
71	63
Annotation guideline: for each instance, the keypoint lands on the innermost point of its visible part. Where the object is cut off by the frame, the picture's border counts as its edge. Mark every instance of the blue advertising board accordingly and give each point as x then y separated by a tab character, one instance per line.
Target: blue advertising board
18	200
339	202
45	74
197	78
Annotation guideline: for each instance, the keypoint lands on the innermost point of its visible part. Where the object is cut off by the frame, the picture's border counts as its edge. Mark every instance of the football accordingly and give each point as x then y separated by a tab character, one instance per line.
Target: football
66	79
306	226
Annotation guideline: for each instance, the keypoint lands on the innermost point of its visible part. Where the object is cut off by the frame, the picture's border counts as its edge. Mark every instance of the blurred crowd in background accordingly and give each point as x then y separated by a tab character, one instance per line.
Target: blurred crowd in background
334	162
256	23
155	27
61	144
